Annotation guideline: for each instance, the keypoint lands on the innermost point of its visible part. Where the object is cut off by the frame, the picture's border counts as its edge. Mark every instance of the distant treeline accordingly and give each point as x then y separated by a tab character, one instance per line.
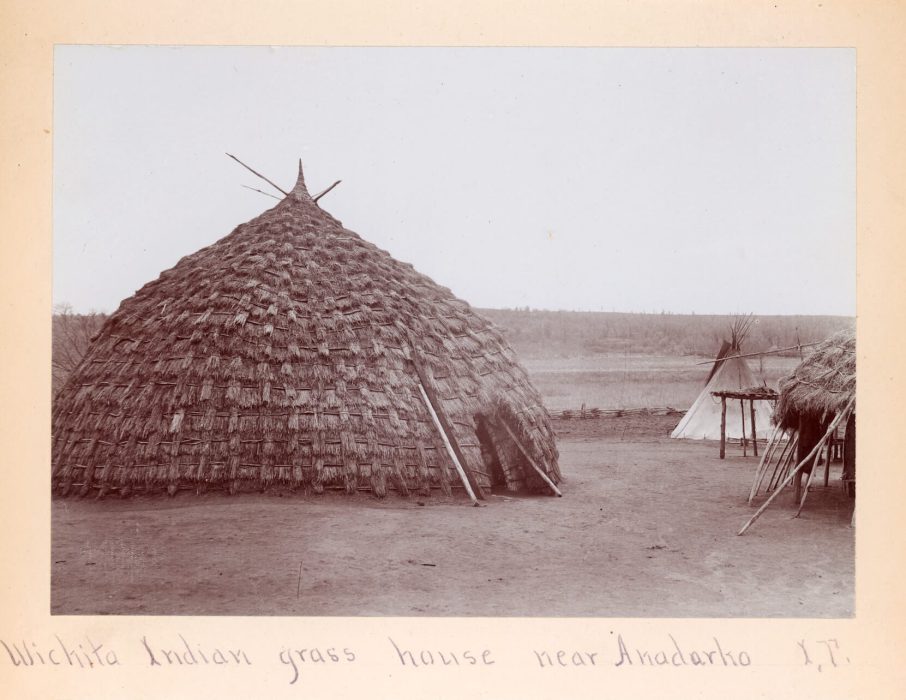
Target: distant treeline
72	333
574	333
551	333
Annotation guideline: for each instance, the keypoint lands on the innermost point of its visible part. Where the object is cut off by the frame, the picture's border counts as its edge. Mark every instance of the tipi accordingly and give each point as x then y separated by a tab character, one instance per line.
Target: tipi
293	353
728	373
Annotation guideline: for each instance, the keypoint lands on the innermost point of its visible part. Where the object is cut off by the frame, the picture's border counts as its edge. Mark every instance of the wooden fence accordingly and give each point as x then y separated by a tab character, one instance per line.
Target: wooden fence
589	413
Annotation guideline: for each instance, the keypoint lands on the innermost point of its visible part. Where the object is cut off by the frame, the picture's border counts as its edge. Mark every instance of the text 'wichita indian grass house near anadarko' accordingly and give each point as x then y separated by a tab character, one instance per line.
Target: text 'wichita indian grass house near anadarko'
293	353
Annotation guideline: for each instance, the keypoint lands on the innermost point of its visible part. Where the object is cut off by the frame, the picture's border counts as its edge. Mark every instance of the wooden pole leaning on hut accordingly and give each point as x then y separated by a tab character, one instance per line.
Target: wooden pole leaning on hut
777	438
445	428
531	461
811	474
783	439
808	458
764	463
808	484
783	464
450	451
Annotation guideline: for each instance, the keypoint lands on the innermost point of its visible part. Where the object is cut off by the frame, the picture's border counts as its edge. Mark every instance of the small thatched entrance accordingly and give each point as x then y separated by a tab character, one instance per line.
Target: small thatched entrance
509	463
489	455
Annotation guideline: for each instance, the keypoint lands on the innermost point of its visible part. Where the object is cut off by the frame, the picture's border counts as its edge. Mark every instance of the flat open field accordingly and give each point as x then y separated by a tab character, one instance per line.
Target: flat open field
632	380
646	528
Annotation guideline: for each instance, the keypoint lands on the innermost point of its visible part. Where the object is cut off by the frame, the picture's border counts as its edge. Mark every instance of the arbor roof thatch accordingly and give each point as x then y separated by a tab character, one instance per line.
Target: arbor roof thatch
283	355
822	384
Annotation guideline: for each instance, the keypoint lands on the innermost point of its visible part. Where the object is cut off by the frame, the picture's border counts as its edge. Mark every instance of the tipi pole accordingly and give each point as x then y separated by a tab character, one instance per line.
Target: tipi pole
799	466
531	461
443	435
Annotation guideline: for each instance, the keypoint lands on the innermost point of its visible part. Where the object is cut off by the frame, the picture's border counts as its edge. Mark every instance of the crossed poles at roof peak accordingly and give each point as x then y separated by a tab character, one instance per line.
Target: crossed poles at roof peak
274	185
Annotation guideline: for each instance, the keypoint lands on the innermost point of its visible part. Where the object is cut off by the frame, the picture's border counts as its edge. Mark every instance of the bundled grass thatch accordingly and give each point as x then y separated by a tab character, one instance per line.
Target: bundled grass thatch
822	385
283	355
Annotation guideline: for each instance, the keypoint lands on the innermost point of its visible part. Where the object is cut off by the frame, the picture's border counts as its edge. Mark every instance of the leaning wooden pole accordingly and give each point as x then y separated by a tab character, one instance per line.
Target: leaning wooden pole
531	461
443	434
762	352
777	438
808	485
789	478
782	465
778	454
445	426
764	463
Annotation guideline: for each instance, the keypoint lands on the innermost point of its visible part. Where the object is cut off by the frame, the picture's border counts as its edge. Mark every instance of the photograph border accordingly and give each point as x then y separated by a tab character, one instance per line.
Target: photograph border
871	641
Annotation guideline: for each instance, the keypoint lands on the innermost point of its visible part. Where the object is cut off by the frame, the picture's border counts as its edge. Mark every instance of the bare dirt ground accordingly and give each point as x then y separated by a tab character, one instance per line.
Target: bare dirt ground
646	528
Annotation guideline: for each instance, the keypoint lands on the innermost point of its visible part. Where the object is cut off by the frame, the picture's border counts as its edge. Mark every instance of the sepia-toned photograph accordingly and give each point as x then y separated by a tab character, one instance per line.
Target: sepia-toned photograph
455	332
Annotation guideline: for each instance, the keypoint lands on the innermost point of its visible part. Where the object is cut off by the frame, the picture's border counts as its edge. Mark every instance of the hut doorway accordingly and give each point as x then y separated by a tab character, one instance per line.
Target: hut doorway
490	455
510	465
810	433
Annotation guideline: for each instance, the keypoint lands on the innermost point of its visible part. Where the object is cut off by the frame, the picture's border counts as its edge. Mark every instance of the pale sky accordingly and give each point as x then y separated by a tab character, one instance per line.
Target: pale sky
679	180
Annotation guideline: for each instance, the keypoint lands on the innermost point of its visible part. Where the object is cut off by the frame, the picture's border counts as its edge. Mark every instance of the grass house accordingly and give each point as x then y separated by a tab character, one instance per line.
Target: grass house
815	393
294	354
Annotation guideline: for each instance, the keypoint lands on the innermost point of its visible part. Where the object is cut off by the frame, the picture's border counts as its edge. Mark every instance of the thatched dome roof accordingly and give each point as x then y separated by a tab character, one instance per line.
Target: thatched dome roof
822	385
283	355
